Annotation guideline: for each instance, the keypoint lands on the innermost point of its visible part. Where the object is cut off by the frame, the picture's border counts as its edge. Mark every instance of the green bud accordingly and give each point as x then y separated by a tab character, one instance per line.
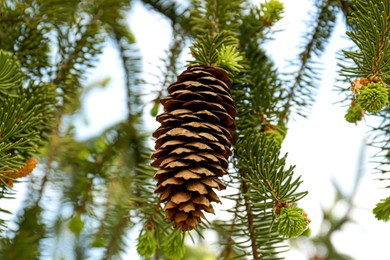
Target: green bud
154	110
173	247
98	241
272	11
382	210
217	51
373	97
229	58
76	224
354	113
280	133
106	81
292	221
276	136
147	244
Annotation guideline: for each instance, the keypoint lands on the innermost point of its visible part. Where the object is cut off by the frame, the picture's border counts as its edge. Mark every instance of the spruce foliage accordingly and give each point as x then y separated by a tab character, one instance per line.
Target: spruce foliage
369	76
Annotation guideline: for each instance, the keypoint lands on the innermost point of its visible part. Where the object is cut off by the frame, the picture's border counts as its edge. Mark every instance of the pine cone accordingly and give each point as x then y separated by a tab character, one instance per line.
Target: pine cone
19	173
193	144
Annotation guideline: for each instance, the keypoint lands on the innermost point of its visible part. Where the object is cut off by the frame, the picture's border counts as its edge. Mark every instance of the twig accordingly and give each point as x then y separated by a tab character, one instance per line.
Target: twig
252	231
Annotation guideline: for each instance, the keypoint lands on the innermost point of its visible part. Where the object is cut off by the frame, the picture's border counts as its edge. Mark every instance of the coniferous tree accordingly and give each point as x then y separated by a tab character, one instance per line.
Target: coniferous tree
223	115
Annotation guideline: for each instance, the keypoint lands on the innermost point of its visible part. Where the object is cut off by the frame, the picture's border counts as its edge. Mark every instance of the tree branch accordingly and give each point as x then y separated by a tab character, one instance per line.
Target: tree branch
382	40
305	56
251	227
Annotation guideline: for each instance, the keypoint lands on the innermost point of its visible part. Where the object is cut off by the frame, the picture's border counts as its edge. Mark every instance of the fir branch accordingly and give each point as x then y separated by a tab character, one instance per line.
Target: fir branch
168	8
130	63
116	221
250	217
12	20
257	93
113	16
265	183
383	41
57	12
301	91
67	77
214	16
5	193
170	71
347	8
87	42
33	49
24	121
227	230
10	74
98	159
26	37
371	36
370	33
380	139
118	235
27	236
258	20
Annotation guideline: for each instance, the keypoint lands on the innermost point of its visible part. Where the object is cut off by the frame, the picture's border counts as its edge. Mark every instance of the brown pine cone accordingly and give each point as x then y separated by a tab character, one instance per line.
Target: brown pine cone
193	144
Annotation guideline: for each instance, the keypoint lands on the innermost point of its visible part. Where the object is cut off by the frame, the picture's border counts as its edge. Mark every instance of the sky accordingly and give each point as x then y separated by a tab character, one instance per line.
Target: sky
324	147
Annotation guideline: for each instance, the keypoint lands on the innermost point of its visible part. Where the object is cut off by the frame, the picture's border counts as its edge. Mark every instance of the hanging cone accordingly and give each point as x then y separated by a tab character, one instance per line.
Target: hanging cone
193	144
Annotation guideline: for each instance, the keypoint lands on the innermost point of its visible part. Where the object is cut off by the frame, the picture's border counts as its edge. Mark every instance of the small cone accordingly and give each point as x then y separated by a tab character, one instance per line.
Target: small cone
193	144
20	173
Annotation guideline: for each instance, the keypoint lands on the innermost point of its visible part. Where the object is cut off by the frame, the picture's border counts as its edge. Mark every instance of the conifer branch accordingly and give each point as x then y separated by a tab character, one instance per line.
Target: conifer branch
228	229
371	55
250	217
128	84
61	81
31	230
170	71
383	41
211	17
52	152
370	33
315	45
91	29
119	232
116	22
165	7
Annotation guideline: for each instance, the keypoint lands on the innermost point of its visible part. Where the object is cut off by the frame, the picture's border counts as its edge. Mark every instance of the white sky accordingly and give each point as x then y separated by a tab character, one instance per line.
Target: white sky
323	147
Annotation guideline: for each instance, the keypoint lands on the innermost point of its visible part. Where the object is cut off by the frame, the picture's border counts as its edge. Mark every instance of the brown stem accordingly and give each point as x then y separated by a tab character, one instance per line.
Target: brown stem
122	51
382	40
252	231
117	235
53	145
230	240
52	151
304	59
